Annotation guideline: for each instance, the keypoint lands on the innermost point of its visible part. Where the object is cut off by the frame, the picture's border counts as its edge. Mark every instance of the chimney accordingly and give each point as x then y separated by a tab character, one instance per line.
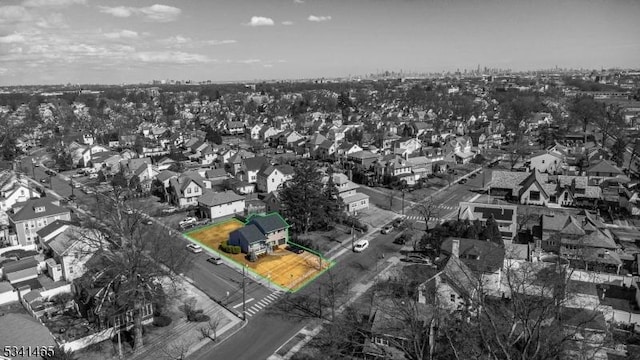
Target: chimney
455	248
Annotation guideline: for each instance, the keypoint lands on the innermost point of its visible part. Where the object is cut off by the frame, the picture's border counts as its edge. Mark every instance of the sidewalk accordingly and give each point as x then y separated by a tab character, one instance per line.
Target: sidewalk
184	337
300	339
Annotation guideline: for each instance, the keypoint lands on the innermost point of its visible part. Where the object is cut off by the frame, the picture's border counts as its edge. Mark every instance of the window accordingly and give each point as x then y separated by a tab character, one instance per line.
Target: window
534	195
543	161
453	297
189	191
273	180
566	196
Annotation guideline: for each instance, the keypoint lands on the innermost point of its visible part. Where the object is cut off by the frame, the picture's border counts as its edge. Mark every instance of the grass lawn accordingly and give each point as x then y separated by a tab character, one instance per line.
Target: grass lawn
284	268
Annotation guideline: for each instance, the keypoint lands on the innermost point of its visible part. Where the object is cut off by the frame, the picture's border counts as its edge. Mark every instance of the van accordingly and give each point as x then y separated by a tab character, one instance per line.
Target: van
93	176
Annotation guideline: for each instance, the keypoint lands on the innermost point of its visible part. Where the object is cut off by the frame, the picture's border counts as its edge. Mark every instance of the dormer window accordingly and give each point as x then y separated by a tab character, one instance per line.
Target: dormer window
39	209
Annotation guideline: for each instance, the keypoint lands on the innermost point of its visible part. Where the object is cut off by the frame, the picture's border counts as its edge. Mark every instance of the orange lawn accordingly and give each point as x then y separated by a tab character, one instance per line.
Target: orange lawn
284	268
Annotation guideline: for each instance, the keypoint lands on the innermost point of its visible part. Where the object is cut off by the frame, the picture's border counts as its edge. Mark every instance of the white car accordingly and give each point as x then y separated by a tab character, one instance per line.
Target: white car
360	245
187	221
194	248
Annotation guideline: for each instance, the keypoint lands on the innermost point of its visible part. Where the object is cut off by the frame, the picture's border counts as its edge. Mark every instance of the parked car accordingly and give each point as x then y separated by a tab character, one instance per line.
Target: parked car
387	229
473	175
50	172
398	222
44	180
215	260
77	175
295	249
194	248
148	222
187	221
417	259
93	176
463	181
360	245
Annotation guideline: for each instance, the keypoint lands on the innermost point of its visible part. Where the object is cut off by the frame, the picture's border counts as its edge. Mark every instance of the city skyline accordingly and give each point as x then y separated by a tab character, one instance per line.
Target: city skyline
109	42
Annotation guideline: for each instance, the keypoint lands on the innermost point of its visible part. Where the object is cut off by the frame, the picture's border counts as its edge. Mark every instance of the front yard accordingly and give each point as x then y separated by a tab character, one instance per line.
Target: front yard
283	268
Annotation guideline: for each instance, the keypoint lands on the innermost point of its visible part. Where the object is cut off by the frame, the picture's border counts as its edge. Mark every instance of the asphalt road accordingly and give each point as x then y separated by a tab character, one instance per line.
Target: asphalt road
215	280
267	331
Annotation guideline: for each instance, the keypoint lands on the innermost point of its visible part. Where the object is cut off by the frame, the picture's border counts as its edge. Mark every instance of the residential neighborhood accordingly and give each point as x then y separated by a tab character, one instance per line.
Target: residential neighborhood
382	207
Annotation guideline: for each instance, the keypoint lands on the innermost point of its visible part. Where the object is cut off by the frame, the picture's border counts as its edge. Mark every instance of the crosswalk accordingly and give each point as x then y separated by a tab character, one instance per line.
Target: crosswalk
442	210
254	307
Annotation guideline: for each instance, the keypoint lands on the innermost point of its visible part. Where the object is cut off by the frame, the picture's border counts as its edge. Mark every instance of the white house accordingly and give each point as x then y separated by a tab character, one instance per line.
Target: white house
270	178
547	162
71	247
215	205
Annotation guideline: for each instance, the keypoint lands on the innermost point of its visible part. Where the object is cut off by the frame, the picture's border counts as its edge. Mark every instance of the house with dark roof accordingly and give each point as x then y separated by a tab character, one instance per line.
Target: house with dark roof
484	258
262	234
454	287
214	205
363	160
250	240
184	191
272	177
506	216
20	271
602	170
581	238
250	168
32	215
271	201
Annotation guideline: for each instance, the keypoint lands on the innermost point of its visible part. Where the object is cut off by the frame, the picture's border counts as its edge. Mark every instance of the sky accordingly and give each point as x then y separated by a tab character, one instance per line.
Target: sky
136	41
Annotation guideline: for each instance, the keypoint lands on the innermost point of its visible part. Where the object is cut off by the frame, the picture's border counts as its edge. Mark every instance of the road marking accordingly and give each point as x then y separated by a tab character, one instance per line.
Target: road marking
262	303
246	302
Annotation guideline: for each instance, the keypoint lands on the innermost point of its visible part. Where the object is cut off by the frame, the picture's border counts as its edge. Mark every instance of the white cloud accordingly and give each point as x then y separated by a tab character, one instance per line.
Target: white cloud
53	3
3	71
220	42
122	34
52	21
157	12
170	57
117	11
13	14
179	41
268	65
260	21
12	39
318	18
160	13
298	1
287	22
249	61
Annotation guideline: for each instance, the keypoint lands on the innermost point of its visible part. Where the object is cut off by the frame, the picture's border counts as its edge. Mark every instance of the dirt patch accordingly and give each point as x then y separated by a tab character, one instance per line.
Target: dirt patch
284	268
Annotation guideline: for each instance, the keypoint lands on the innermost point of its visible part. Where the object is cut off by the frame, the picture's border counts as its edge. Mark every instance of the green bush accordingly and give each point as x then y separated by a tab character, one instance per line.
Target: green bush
235	249
161	321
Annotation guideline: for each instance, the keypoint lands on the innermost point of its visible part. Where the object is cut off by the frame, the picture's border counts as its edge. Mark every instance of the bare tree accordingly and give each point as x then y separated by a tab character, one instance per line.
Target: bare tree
177	350
210	331
427	210
129	263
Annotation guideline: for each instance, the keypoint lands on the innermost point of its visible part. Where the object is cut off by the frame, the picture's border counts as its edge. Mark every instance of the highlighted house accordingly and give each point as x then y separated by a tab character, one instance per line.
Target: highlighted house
262	234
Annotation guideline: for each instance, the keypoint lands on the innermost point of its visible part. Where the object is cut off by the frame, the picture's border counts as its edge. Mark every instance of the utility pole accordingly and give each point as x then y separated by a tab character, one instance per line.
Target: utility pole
33	169
244	303
403	201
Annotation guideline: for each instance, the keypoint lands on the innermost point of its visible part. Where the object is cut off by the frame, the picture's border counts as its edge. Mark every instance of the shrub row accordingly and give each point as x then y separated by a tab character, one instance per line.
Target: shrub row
351	221
230	249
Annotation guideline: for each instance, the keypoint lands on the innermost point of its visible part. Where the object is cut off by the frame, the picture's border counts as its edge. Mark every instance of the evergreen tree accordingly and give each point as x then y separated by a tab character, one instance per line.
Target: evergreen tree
302	197
333	203
119	180
491	231
134	182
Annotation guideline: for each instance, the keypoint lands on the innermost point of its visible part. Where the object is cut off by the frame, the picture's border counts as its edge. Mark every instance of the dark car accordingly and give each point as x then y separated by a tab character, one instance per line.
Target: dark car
463	181
295	249
417	259
398	222
400	240
473	175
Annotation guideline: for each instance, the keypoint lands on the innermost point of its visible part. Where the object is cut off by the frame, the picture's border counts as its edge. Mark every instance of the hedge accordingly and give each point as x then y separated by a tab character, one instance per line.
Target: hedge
161	321
230	249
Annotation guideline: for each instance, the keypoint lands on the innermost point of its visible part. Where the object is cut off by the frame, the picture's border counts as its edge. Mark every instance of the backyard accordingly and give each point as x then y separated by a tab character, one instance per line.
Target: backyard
283	268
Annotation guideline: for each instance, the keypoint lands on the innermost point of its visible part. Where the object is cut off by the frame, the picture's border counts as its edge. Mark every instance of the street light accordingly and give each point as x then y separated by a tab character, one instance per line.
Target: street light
244	303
